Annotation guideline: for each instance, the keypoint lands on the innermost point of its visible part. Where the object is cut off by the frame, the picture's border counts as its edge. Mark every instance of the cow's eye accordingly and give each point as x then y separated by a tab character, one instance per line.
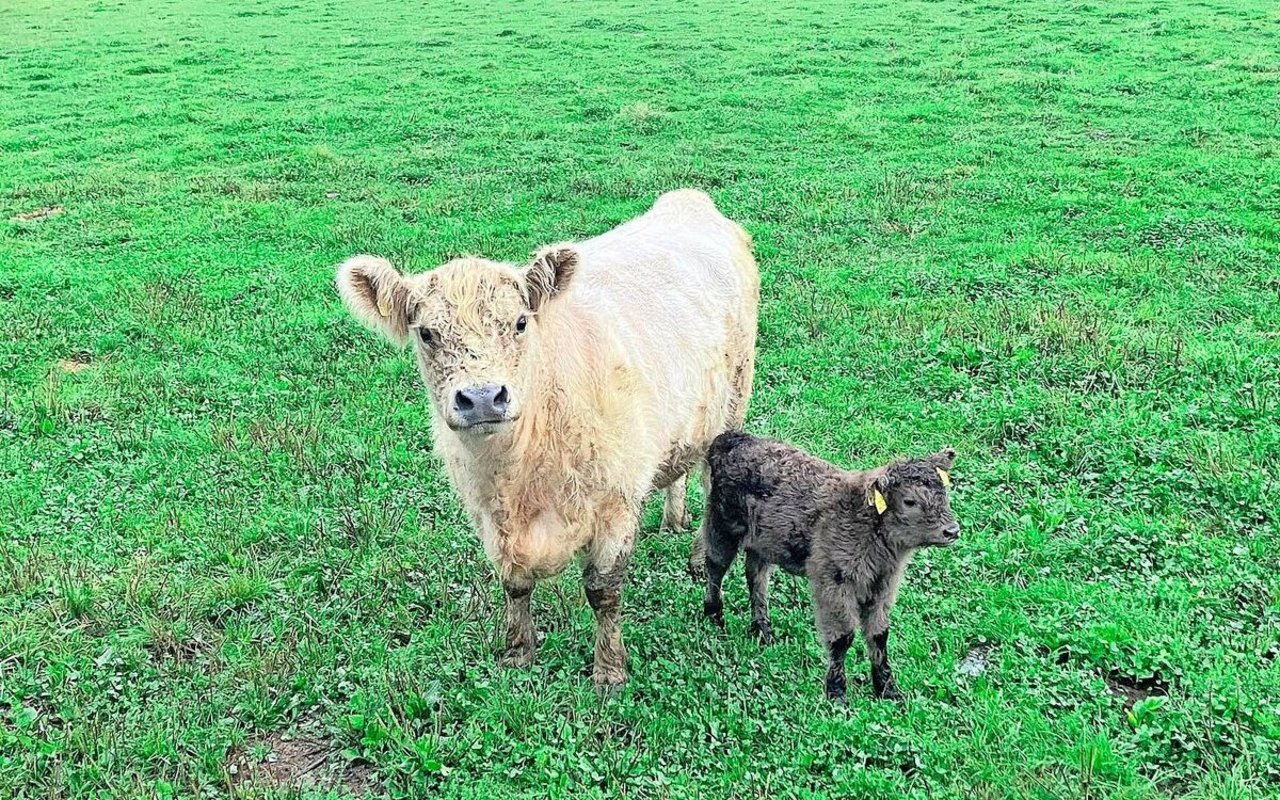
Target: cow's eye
427	337
909	503
522	323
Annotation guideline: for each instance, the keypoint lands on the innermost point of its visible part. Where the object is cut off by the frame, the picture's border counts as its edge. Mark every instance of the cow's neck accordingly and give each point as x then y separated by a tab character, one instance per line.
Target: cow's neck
554	456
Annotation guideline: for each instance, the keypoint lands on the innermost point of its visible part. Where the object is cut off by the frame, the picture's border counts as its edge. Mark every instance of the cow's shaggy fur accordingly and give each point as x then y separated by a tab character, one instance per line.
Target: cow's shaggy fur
622	357
790	509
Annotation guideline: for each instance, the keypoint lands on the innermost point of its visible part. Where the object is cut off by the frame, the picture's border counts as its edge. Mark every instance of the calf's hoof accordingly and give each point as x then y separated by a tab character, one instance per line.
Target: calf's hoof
516	657
697	569
889	692
715	613
763	633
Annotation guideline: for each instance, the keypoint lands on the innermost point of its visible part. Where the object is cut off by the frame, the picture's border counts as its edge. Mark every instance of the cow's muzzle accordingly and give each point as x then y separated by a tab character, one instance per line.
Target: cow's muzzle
480	405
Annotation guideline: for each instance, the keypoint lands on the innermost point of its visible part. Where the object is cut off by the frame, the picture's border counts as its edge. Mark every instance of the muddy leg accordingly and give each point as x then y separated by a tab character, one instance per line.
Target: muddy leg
675	511
603	577
758	572
875	628
837	649
522	640
836	626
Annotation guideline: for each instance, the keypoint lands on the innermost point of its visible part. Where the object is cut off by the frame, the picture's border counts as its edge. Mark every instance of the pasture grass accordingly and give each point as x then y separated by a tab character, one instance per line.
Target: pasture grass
1044	232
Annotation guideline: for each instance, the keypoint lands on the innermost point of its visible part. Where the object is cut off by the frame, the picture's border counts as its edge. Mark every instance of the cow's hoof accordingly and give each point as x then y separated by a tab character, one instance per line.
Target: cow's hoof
675	524
609	682
890	693
516	657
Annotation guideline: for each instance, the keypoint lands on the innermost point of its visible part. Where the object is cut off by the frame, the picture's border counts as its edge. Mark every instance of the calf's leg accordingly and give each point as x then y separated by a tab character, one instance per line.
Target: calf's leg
875	628
836	627
521	639
722	548
758	572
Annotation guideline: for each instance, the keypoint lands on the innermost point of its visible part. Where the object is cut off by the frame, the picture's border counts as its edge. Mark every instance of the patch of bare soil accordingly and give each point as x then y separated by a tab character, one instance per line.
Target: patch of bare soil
1135	689
977	660
165	646
77	363
298	762
38	214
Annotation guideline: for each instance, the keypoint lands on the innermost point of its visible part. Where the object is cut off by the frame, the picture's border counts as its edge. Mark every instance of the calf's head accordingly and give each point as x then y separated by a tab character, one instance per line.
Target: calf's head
473	325
911	498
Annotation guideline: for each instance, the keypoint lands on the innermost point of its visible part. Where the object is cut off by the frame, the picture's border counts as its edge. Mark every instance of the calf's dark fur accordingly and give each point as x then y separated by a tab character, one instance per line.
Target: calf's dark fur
850	533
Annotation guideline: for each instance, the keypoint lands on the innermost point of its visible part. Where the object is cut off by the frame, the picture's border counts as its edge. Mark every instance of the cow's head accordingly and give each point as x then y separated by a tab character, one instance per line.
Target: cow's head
473	323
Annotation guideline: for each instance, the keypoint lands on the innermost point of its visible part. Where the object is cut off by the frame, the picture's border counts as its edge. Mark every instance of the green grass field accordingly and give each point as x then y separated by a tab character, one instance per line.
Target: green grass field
1047	233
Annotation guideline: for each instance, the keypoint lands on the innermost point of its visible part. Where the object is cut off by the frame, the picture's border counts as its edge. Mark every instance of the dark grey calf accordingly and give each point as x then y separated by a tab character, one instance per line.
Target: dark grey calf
851	533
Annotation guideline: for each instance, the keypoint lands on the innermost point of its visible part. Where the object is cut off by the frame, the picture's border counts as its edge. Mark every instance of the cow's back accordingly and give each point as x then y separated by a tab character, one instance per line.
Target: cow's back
675	293
682	254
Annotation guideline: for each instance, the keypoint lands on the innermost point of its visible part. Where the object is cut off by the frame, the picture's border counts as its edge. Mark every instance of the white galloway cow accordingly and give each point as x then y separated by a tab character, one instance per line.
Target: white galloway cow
567	390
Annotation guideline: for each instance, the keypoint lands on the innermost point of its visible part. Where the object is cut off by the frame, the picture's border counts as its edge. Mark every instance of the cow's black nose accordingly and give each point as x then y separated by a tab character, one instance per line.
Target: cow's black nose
478	404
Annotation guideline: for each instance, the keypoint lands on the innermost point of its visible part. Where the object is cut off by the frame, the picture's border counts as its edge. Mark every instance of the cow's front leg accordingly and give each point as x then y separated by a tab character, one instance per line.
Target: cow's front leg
603	576
522	641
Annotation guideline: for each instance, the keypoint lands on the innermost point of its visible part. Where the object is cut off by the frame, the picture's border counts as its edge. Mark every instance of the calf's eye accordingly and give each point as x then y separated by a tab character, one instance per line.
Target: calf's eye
522	323
426	336
909	503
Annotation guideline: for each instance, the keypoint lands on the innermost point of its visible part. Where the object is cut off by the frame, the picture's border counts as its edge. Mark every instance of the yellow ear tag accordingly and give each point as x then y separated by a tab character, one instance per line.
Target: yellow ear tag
881	505
946	477
384	308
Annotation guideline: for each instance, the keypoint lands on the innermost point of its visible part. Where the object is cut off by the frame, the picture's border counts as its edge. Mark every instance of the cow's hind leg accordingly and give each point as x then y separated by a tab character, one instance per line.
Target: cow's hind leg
521	639
698	553
675	511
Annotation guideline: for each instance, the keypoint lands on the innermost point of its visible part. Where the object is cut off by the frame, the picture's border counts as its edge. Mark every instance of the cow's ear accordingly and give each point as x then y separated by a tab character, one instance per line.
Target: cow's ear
376	295
550	273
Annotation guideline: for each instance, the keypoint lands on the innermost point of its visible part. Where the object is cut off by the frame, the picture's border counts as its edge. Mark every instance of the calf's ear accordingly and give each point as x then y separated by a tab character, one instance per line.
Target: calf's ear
877	491
376	295
944	458
550	273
